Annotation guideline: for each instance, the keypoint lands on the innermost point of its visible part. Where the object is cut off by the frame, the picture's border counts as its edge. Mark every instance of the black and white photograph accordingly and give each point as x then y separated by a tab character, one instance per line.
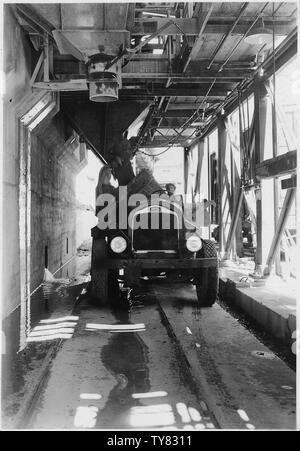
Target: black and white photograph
149	208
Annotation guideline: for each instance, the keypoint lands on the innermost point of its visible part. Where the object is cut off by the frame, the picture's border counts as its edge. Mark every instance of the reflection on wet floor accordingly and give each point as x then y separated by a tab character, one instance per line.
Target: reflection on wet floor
133	403
59	328
126	356
120	367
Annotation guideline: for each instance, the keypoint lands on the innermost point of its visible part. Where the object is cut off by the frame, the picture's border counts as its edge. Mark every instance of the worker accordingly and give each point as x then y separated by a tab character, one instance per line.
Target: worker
174	198
171	188
104	185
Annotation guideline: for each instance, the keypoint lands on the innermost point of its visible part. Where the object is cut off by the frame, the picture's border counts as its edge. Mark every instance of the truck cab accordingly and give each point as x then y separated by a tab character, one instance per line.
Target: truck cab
158	243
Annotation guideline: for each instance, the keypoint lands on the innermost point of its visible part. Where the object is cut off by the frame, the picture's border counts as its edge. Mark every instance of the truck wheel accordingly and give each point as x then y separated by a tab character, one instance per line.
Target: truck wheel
104	282
207	282
99	285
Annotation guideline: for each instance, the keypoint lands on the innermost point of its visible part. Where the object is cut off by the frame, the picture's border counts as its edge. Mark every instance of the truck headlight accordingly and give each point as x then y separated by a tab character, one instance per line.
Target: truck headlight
118	244
194	243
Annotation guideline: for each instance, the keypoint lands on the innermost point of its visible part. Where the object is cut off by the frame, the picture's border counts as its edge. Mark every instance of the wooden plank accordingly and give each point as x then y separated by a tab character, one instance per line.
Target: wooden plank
29	13
289	183
56	85
37	68
280	165
46	58
168	263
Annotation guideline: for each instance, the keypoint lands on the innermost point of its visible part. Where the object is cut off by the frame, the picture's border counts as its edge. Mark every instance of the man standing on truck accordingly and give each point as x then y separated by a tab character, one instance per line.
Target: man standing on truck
171	188
104	185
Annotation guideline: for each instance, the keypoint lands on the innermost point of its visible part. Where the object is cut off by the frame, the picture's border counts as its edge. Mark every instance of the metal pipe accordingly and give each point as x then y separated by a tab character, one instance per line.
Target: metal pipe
198	109
247	83
244	35
244	6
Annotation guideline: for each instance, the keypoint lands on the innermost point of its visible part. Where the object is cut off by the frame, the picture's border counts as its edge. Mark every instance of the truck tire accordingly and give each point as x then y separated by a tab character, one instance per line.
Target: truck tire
99	285
104	282
207	282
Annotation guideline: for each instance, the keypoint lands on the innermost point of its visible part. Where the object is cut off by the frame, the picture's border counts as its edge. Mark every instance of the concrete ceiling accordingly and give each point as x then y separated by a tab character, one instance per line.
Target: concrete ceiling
195	60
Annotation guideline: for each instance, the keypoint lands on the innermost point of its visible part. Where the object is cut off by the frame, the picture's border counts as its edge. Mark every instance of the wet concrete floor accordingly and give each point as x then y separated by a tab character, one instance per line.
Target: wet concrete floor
244	383
23	356
120	370
154	360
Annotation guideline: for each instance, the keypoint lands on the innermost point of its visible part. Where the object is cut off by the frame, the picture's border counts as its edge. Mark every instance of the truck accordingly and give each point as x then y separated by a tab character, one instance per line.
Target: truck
175	253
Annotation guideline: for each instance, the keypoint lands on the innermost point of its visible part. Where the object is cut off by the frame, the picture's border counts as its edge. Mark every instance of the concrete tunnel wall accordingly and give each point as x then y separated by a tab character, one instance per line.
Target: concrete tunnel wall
53	207
54	166
16	66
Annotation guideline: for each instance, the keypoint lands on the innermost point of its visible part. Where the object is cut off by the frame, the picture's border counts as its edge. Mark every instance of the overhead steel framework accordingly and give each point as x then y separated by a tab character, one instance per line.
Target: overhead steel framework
176	50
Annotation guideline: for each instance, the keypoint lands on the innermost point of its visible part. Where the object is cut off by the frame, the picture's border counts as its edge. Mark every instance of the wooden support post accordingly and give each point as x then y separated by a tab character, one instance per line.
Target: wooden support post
37	69
234	224
278	166
280	226
201	150
208	186
222	138
234	235
186	170
190	7
51	60
46	58
260	114
250	200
